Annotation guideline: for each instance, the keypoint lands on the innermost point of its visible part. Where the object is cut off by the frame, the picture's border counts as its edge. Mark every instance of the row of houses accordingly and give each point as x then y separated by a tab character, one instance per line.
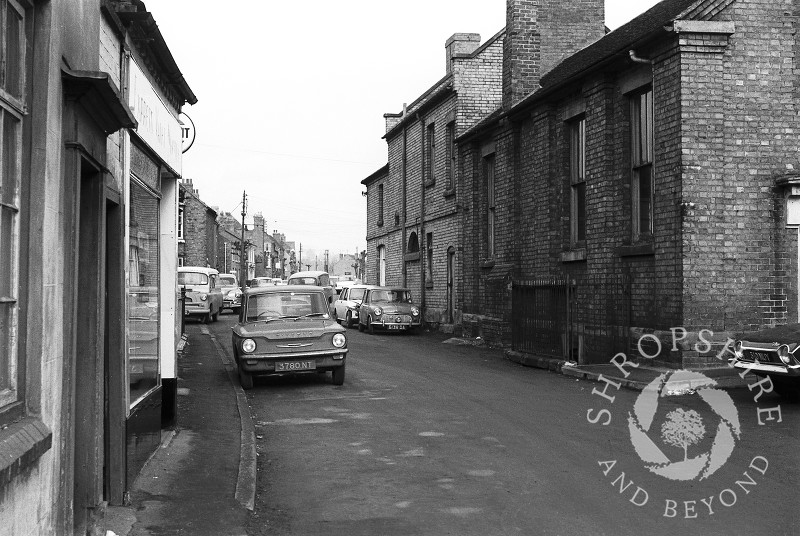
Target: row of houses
208	236
563	189
90	170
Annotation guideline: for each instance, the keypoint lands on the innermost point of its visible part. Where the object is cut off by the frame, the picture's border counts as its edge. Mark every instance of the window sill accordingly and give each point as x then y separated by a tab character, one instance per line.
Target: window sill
412	257
450	192
573	255
428	284
637	250
429	183
489	263
21	444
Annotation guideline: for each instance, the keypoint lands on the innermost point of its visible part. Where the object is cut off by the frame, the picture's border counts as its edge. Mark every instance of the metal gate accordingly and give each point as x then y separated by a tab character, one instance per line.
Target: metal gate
585	319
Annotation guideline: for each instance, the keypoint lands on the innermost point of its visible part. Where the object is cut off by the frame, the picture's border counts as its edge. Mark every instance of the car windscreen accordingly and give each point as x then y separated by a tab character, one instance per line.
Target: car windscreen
285	304
391	296
192	278
227	280
303	281
357	293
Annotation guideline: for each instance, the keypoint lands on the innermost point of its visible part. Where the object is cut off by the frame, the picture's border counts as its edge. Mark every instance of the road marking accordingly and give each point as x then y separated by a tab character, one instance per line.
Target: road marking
462	510
299	421
403	504
431	434
417	452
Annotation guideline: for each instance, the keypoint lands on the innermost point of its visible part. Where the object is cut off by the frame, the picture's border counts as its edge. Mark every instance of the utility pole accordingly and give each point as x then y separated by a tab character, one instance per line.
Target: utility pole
301	254
243	247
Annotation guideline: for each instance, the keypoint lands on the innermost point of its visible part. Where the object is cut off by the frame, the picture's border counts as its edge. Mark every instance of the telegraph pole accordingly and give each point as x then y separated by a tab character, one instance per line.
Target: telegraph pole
301	256
242	248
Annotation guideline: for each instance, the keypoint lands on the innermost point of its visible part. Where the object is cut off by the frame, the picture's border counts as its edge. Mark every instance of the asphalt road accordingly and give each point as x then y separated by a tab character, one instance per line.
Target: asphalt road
434	438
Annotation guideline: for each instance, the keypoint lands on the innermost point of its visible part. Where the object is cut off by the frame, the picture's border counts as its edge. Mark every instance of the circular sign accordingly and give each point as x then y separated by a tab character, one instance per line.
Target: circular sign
187	132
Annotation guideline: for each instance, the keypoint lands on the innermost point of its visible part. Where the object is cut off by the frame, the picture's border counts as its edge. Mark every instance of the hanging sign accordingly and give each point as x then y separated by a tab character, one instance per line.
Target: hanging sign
188	131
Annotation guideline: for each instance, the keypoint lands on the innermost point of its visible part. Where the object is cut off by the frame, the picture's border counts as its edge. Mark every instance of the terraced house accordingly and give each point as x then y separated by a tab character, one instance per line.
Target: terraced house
646	182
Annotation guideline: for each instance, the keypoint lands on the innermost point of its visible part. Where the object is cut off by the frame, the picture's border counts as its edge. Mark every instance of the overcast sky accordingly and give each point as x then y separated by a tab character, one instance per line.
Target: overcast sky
291	97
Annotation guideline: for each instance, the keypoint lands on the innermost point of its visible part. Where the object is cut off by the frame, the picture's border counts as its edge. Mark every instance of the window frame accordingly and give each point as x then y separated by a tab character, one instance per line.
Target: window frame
430	154
577	181
13	220
642	164
490	171
380	205
450	141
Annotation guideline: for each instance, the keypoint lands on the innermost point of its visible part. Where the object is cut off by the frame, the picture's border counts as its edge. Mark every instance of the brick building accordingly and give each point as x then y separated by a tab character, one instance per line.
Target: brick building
648	178
413	225
197	229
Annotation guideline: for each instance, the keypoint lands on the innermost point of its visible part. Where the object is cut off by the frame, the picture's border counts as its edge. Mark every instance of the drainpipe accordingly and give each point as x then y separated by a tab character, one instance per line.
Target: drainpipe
422	238
403	197
637	59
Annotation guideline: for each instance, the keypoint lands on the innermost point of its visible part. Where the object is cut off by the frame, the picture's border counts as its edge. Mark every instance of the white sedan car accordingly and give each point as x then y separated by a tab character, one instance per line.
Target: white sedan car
345	308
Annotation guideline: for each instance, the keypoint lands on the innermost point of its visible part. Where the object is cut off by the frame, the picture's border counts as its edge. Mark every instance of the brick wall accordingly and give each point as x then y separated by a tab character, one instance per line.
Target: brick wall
199	231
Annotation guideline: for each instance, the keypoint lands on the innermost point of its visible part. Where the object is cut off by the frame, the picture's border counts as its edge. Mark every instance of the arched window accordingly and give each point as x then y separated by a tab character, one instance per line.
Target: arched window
413	243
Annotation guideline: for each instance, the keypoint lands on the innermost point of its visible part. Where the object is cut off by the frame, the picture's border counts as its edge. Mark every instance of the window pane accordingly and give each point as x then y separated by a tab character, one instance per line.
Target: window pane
11	165
143	301
8	253
11	80
7	314
645	199
580	209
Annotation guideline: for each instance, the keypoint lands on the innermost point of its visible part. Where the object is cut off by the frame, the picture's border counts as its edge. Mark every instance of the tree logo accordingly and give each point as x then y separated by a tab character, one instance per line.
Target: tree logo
684	429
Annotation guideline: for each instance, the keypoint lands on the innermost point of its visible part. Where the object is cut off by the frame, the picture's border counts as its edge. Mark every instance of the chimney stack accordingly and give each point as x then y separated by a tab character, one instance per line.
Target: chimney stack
541	33
460	44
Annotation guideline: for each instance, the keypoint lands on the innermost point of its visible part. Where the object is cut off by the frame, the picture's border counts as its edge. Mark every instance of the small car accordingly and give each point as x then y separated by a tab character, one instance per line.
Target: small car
287	329
345	308
317	278
261	282
773	352
231	293
390	309
203	294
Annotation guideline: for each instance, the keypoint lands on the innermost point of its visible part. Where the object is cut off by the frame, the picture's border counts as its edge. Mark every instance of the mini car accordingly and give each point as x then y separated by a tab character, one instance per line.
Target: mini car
287	329
231	293
390	309
773	352
345	308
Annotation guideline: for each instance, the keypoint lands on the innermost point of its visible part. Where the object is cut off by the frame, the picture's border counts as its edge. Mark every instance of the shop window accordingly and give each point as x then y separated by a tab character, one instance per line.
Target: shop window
143	295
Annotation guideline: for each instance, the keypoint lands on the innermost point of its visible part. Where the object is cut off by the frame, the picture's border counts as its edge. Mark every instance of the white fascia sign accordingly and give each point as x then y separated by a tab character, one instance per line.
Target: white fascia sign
157	126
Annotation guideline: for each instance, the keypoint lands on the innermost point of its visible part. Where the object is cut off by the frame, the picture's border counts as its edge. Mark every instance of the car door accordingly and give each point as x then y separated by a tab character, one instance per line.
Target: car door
341	304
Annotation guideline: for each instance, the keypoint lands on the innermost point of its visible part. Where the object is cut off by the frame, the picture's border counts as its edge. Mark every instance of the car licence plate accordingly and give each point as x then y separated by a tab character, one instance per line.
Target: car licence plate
396	326
290	366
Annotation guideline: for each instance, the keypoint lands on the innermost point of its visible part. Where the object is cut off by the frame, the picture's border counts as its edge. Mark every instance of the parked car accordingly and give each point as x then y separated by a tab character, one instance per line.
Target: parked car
317	278
345	308
203	293
388	308
287	329
343	284
231	293
773	352
260	282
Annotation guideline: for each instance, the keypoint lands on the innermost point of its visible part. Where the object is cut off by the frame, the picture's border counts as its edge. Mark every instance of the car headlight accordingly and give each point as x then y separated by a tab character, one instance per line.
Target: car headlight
737	350
784	354
203	297
378	311
231	293
415	311
249	346
339	340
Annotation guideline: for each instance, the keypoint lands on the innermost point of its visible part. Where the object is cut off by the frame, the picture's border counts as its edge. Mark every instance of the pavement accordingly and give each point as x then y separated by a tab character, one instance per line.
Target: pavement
202	478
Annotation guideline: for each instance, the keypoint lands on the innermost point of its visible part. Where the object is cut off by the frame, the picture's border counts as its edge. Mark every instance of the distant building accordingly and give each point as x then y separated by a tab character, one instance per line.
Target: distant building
197	229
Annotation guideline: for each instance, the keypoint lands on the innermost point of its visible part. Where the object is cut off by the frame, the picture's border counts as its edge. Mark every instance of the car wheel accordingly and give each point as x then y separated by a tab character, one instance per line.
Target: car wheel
207	318
370	327
338	375
245	379
215	316
348	321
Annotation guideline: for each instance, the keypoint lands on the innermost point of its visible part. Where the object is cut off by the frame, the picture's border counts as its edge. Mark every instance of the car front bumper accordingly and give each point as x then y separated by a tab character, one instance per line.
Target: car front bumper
323	360
764	369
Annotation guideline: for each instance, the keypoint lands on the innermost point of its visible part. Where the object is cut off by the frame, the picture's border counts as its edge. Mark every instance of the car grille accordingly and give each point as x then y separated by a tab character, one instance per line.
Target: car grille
762	356
397	319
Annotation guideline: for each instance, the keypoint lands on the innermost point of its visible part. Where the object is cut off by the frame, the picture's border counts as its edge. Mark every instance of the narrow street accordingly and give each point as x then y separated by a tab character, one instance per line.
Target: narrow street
432	438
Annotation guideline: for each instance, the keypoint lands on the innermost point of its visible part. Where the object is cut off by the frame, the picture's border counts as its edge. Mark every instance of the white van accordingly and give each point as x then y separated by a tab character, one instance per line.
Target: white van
203	292
317	278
